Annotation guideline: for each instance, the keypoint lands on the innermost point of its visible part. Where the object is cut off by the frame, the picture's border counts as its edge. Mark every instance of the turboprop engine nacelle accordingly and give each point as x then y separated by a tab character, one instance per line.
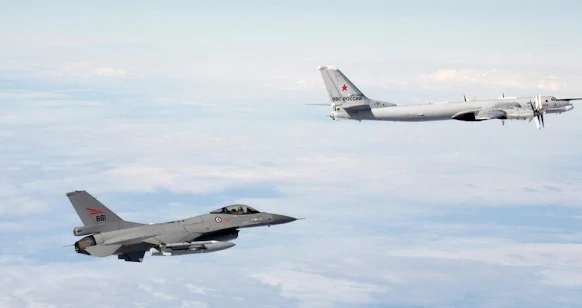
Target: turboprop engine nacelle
176	249
519	113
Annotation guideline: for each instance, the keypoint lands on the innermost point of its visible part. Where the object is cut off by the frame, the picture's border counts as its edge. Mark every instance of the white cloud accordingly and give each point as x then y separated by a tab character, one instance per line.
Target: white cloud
197	289
21	206
109	72
29	95
315	290
66	103
376	196
87	70
503	78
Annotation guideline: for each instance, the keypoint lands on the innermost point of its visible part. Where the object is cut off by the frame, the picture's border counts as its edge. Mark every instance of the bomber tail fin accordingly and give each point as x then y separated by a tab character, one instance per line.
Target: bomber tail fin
339	87
342	92
91	211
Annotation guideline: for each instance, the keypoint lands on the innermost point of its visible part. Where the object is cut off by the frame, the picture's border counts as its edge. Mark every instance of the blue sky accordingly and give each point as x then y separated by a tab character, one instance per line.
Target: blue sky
168	111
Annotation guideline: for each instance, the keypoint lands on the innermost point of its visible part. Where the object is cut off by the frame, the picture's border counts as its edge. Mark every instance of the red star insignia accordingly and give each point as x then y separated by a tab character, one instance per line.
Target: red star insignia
344	88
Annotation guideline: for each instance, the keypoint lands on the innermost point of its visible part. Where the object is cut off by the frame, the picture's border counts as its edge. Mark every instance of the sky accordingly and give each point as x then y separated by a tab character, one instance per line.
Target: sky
169	110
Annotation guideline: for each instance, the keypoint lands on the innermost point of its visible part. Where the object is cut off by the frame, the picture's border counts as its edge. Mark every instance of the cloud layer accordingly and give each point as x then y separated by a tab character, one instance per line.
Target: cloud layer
180	110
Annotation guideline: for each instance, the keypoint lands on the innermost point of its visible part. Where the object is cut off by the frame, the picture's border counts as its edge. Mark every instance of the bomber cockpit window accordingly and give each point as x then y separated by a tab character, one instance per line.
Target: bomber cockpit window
237	209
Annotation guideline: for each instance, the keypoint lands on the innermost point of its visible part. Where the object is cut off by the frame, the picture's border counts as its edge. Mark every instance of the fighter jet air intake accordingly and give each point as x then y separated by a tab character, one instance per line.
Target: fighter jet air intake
348	102
108	234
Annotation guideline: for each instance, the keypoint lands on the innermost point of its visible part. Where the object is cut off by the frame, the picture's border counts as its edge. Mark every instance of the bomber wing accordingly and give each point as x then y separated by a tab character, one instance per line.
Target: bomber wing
490	114
501	111
570	99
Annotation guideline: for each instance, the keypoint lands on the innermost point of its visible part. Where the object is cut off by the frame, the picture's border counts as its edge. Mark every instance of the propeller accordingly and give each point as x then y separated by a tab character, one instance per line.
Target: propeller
538	111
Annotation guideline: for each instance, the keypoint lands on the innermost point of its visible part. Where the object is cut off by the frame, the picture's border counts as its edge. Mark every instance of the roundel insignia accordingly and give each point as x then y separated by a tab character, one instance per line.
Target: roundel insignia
218	219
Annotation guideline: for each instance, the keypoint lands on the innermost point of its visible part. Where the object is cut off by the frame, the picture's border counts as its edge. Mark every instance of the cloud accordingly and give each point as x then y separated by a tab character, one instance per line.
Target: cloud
21	206
86	70
315	290
383	201
109	72
29	95
503	78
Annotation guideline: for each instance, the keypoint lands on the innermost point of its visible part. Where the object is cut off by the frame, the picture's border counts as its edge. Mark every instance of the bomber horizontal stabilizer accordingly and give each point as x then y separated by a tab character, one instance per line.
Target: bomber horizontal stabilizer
356	107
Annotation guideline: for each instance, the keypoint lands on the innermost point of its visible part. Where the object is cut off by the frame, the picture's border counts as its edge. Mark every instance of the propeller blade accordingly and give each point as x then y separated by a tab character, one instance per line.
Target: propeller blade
538	122
542	118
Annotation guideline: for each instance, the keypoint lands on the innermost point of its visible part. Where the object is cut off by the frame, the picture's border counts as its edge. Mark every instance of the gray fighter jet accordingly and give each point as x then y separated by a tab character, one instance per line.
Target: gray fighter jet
348	102
108	234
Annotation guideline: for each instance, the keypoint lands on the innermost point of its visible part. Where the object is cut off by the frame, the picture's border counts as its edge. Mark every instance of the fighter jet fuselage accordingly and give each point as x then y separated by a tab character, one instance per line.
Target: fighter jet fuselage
107	234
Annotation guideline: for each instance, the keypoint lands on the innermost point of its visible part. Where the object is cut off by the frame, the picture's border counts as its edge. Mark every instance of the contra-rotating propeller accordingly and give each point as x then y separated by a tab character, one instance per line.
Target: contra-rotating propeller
538	111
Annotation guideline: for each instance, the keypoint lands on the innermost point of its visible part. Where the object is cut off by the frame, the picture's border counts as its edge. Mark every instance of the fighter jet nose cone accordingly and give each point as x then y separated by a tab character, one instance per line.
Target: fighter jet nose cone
282	219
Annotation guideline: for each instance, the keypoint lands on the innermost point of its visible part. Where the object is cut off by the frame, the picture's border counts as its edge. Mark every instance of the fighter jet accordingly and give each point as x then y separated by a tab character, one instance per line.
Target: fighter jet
348	102
108	234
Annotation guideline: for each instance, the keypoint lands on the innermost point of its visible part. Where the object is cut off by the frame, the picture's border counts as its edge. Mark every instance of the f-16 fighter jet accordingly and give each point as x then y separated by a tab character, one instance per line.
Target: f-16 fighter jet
108	234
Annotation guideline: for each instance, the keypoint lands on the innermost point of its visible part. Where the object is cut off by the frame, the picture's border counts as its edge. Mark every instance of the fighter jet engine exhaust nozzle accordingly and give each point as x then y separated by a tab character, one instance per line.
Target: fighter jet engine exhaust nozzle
91	240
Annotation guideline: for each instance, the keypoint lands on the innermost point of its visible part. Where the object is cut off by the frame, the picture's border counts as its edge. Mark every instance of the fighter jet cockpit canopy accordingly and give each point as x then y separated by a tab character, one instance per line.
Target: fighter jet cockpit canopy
236	209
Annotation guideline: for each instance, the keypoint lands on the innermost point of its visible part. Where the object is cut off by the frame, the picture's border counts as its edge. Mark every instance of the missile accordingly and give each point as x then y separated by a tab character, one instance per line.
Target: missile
176	249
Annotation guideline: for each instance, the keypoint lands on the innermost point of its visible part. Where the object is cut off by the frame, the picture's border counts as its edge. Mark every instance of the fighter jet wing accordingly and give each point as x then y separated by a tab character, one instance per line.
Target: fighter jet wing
128	239
172	237
102	250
